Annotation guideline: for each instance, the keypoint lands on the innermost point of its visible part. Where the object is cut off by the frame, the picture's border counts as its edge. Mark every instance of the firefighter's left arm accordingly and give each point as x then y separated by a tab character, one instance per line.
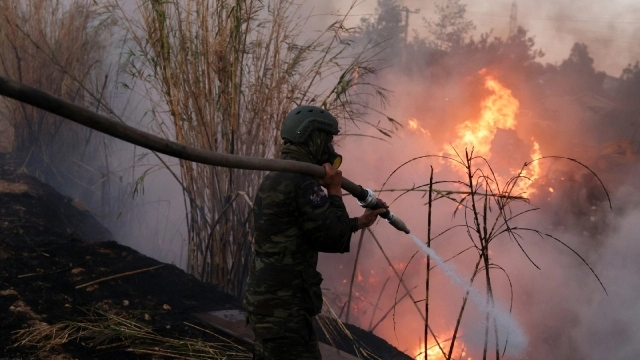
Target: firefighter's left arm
325	220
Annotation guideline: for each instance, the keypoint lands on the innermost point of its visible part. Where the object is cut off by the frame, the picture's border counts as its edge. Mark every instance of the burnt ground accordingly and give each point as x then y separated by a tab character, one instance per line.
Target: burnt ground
49	246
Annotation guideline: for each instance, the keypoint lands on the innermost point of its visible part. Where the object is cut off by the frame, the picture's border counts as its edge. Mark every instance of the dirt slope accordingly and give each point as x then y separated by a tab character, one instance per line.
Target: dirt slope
50	250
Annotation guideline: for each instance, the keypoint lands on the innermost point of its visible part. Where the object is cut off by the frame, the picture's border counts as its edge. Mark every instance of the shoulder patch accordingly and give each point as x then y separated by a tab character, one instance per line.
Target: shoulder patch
314	193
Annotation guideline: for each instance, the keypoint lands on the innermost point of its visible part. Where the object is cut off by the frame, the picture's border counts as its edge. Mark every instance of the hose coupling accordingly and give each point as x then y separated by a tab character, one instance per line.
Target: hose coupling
369	201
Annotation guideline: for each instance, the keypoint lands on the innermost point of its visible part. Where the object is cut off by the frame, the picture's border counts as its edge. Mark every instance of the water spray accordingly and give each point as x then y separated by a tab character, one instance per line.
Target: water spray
504	322
106	125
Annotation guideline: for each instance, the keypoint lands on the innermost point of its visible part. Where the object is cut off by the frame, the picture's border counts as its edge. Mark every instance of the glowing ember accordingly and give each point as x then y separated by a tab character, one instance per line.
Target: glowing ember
415	126
434	353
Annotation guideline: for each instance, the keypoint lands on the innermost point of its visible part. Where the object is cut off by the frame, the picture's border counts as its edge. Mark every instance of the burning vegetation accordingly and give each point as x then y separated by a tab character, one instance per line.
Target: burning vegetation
491	134
544	140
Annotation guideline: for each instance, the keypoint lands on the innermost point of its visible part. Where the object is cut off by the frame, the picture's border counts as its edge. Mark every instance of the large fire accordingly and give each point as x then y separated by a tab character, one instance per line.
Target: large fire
499	111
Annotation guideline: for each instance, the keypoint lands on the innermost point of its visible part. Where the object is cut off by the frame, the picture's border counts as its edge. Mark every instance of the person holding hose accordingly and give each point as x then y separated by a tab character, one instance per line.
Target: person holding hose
294	220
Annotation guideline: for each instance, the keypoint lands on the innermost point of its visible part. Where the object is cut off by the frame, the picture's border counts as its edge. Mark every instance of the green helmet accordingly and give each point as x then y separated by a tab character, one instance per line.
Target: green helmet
301	121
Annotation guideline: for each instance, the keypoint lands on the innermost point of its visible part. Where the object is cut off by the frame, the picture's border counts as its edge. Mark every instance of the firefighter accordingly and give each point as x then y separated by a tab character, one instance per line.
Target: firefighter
295	219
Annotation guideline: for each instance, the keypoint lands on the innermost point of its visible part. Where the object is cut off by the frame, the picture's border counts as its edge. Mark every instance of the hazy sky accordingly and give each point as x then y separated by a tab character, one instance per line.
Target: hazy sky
609	28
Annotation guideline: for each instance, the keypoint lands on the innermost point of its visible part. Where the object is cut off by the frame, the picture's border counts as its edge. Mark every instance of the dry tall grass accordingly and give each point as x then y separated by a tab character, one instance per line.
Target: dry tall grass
56	46
102	331
221	76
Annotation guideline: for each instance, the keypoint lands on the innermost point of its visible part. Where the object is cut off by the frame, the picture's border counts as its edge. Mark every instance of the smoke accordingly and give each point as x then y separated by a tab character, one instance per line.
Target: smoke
560	303
610	323
505	324
152	218
609	28
562	308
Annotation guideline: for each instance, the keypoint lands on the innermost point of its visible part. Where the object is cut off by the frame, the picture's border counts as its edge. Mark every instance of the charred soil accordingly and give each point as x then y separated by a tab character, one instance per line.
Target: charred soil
50	252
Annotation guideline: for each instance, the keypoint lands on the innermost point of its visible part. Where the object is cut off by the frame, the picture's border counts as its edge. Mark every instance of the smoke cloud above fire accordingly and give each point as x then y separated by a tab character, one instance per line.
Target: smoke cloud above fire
609	28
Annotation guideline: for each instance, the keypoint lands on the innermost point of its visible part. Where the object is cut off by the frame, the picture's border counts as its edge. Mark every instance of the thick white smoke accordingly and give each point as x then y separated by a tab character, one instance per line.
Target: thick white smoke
609	28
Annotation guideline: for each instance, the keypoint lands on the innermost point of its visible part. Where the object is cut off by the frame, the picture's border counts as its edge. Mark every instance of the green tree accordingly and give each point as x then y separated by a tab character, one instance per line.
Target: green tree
629	88
385	28
451	28
576	74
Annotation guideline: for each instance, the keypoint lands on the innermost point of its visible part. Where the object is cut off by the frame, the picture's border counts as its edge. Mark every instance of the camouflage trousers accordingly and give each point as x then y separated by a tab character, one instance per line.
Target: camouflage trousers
284	338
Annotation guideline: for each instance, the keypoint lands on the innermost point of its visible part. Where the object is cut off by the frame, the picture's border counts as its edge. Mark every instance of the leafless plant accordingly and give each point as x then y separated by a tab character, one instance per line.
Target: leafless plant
489	210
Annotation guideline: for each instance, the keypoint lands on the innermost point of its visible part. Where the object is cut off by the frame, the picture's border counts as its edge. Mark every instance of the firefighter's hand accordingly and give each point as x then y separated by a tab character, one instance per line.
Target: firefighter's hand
369	217
332	180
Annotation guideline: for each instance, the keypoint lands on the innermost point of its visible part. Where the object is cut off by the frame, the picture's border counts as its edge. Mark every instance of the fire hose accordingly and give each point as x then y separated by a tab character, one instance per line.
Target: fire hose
47	102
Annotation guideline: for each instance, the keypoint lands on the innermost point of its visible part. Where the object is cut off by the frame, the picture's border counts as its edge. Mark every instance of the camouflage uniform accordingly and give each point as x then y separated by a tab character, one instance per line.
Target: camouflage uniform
294	220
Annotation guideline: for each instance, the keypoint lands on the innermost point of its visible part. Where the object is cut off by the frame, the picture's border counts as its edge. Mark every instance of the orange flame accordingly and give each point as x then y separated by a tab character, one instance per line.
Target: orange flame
434	353
499	111
531	172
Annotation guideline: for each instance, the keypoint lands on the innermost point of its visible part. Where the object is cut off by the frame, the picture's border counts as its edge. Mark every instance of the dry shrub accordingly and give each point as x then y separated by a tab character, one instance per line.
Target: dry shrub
58	47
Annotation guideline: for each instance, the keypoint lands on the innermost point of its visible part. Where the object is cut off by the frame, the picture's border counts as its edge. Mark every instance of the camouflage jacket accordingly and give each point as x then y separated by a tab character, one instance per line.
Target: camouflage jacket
294	220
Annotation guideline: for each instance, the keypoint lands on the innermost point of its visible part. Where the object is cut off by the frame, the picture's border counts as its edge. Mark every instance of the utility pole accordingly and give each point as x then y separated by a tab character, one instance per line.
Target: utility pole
513	19
406	21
